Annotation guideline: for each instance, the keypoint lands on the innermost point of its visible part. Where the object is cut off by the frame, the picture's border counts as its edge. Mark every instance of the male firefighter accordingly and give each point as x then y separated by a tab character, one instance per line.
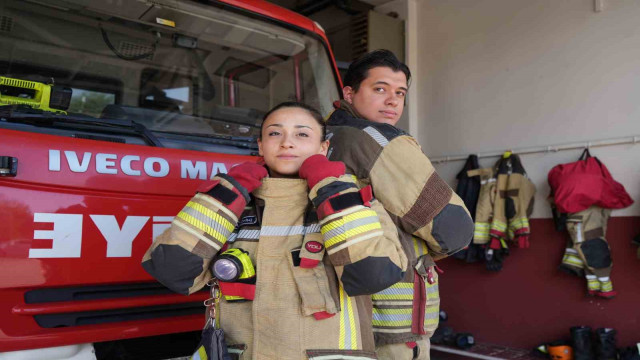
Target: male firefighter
432	220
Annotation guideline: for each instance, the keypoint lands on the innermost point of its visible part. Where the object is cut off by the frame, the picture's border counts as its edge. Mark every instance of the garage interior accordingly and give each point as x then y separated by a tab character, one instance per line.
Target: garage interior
544	79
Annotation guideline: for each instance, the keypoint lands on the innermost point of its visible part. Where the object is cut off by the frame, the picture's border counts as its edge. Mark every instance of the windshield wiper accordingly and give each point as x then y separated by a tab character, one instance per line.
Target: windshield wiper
26	114
248	142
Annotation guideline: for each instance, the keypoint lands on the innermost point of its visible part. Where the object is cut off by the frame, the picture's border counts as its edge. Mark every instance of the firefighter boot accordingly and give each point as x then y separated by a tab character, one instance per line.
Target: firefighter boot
606	344
630	353
582	346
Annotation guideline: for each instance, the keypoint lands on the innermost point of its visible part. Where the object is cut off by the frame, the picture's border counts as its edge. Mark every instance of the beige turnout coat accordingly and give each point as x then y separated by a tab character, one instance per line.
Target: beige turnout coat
361	255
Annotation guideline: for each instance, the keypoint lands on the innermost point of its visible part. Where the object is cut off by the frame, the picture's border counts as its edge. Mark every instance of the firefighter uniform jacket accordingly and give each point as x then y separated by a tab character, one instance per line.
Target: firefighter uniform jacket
504	204
295	312
431	219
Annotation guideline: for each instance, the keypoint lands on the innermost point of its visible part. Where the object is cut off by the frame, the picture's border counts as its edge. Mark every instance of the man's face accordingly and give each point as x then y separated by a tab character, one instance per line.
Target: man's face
380	97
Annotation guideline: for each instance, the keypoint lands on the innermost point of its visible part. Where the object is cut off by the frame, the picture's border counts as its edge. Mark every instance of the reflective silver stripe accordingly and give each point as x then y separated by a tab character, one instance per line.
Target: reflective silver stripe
395	291
208	221
392	317
392	330
350	225
377	136
432	289
313	228
579	238
380	303
432	315
249	234
288	230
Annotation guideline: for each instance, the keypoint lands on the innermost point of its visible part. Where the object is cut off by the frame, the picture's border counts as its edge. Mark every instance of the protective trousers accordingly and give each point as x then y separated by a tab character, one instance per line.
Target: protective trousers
588	252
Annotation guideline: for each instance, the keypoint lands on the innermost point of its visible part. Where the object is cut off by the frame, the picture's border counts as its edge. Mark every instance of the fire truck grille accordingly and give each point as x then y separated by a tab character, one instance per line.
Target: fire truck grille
70	294
109	316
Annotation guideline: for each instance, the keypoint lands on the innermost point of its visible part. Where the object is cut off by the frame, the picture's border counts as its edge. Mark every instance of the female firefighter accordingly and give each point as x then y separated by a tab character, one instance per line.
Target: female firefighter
294	245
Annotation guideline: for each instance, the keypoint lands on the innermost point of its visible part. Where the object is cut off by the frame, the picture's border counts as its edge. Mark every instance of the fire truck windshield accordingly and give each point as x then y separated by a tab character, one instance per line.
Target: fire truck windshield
186	71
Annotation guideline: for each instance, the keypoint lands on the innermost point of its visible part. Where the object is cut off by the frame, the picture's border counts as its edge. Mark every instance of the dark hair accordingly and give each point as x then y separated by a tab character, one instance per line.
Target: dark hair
359	68
315	114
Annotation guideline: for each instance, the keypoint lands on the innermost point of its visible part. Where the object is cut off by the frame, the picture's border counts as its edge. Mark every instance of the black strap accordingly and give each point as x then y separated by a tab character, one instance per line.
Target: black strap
345	201
585	154
222	193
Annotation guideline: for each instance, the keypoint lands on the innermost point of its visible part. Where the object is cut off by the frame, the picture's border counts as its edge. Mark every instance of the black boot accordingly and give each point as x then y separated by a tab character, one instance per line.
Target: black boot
606	344
582	346
630	353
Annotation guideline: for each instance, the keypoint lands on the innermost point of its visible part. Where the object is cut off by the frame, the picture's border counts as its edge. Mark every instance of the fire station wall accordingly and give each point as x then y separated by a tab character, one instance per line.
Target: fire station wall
510	74
501	74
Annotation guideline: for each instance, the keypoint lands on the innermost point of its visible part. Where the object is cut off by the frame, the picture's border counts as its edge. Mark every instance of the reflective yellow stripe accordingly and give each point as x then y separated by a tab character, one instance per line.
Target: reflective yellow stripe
572	260
593	284
397	291
350	233
200	354
428	322
481	230
345	219
211	214
434	294
419	246
391	323
391	297
606	286
352	322
497	225
202	226
520	223
348	332
392	311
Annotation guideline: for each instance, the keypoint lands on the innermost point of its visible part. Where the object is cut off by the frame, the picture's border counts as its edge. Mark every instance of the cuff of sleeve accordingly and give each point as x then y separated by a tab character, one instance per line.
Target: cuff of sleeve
340	202
231	194
241	189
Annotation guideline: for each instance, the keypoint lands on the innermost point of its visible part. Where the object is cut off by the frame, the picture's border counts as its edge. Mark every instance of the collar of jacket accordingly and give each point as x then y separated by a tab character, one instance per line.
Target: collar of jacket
340	117
348	108
283	189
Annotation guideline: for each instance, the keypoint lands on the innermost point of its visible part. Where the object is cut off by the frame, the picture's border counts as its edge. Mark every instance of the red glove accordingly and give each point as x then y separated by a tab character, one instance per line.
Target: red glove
317	168
248	174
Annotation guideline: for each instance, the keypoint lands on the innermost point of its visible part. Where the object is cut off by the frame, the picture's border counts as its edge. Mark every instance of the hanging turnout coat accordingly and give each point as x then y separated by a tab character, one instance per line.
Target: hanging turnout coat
504	205
296	313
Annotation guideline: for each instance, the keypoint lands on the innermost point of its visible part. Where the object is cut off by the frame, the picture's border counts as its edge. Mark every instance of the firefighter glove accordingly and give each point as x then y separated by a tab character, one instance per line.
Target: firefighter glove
249	175
317	168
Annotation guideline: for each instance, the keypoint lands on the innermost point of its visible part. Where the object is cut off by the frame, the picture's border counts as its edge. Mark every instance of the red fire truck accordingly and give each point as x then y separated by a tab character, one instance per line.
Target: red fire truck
111	115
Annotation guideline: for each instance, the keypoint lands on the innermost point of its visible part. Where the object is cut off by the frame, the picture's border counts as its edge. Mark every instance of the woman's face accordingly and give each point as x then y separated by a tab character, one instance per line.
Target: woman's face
289	136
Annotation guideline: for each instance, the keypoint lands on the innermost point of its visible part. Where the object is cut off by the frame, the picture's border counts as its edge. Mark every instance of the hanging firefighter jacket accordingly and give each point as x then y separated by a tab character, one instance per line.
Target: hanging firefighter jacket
585	192
468	189
504	206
